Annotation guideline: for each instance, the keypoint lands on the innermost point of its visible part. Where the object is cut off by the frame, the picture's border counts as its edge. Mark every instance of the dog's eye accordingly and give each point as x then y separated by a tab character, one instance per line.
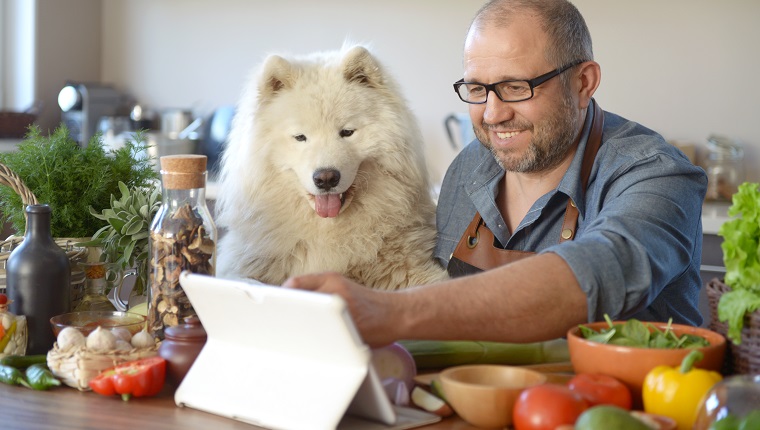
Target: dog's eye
346	132
300	137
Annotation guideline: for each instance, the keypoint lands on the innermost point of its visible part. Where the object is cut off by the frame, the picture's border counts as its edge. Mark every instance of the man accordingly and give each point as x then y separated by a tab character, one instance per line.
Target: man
598	215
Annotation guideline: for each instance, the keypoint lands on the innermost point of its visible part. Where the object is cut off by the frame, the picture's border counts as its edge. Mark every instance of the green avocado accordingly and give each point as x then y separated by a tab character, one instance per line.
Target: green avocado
751	421
729	422
602	417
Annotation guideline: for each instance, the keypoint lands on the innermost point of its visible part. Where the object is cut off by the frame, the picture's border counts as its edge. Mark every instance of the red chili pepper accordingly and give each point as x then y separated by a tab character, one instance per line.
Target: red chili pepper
137	378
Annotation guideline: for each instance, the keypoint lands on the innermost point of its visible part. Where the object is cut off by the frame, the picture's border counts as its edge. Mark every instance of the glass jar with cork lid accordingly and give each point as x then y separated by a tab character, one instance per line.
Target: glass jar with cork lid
182	237
724	168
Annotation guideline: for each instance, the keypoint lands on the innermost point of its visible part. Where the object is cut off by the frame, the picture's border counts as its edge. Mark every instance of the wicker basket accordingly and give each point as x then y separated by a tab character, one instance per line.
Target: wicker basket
77	366
745	357
76	254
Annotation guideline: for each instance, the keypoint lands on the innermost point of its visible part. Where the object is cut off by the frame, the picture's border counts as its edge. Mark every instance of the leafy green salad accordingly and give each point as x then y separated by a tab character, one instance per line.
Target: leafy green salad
741	256
642	335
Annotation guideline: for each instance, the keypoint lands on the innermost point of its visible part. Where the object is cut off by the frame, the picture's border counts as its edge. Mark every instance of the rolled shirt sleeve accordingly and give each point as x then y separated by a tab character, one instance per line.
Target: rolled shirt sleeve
638	247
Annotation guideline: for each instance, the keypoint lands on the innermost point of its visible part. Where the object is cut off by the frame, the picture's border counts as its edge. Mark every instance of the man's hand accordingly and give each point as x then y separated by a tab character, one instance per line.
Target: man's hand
371	310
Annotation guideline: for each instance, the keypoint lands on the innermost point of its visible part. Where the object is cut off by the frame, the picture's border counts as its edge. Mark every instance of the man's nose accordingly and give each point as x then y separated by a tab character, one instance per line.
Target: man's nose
496	110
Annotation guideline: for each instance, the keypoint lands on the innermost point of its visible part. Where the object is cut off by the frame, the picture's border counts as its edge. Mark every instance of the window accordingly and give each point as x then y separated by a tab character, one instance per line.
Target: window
17	44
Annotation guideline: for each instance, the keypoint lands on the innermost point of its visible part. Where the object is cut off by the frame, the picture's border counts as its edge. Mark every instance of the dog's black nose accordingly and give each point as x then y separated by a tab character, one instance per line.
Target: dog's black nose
325	179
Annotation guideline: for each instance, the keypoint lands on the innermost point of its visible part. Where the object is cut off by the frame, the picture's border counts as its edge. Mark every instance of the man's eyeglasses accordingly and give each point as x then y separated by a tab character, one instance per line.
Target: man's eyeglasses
506	91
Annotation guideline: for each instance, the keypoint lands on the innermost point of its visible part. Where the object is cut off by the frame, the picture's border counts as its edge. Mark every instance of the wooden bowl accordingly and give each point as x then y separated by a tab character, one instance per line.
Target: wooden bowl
630	364
483	394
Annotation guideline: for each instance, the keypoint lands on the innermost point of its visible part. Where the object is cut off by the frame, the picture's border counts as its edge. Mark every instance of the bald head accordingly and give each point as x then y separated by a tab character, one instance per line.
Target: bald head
568	38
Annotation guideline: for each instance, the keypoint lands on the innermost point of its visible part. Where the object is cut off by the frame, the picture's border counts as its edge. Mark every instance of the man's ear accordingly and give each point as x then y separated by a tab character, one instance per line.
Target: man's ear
587	79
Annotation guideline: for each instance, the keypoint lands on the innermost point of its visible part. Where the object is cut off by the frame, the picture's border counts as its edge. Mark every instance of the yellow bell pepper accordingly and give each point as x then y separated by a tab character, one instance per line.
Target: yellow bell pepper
677	393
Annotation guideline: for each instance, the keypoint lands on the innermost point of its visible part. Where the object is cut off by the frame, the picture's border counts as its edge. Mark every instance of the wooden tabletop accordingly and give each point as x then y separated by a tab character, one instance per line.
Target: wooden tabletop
67	408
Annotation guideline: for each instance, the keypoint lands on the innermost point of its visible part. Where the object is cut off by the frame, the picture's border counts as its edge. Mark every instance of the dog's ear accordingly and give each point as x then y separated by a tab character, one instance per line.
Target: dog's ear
360	66
277	74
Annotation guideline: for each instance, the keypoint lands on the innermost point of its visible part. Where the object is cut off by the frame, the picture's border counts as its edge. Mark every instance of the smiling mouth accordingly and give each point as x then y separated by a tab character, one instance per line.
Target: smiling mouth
331	205
507	134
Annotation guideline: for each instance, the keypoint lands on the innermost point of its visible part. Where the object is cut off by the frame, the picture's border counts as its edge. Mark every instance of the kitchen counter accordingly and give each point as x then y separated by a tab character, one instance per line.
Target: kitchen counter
67	408
8	145
714	214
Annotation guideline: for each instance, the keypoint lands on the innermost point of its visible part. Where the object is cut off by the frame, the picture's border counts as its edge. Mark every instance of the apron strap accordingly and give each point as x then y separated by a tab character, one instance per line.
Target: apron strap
570	223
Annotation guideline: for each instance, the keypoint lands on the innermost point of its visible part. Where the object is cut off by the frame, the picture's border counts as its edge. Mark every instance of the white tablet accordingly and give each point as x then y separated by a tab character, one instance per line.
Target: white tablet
284	359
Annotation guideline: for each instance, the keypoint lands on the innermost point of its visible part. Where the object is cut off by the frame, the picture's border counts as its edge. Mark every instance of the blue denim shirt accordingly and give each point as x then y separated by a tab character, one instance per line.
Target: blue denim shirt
638	246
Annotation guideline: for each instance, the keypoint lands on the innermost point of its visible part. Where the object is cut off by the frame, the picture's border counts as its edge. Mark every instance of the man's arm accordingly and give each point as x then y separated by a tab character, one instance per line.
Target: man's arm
534	299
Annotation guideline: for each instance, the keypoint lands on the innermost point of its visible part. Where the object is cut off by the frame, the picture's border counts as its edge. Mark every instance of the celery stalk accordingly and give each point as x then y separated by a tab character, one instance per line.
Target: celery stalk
433	354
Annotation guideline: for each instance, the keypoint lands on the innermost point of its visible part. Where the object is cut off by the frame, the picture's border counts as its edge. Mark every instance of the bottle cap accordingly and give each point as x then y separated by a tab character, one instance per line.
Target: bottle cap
185	171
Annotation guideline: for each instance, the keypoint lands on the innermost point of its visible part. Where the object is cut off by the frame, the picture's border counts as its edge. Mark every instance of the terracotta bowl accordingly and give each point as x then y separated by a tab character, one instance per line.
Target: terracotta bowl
630	364
88	321
484	395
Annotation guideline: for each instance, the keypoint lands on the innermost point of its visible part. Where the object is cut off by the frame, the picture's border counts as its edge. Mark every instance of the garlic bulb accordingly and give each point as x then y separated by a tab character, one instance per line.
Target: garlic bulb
122	333
143	339
123	345
70	337
101	340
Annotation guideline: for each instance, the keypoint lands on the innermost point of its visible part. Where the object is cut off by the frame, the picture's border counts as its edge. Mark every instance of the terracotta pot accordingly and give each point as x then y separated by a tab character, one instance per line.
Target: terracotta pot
180	348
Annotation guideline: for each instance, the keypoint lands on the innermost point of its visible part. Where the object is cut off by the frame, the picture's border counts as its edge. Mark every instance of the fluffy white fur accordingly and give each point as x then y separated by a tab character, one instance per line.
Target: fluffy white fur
300	120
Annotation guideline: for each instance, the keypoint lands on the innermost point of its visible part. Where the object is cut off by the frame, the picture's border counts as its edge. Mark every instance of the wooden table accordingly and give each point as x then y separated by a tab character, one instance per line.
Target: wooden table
64	408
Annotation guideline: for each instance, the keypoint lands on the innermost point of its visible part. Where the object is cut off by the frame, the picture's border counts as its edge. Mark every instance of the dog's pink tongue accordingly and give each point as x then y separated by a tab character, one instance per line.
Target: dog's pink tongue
327	205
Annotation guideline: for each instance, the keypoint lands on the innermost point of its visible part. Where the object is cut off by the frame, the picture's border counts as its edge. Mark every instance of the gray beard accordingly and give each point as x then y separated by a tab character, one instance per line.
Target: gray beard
550	143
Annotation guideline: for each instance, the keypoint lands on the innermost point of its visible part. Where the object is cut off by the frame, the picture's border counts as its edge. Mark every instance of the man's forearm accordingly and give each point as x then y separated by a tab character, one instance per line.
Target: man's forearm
534	299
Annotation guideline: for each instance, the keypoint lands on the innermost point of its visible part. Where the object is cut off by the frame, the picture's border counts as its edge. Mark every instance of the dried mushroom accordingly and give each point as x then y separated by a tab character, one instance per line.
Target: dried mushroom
179	243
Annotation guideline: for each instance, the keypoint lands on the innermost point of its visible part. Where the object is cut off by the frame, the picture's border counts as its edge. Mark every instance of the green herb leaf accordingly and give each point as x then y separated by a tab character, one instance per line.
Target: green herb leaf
71	178
741	257
636	334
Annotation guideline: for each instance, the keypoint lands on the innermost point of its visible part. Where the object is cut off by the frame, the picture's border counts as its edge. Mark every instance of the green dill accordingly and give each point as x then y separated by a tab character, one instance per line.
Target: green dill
71	179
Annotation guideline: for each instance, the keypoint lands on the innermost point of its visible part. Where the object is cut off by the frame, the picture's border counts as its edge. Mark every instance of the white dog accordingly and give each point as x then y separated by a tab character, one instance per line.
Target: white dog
324	171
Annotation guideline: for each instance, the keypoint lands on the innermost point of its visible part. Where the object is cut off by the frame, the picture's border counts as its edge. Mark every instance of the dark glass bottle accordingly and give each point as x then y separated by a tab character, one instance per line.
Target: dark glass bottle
38	279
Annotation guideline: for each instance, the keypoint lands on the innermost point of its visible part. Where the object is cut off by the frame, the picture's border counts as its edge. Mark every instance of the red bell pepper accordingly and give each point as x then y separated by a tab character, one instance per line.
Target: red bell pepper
137	378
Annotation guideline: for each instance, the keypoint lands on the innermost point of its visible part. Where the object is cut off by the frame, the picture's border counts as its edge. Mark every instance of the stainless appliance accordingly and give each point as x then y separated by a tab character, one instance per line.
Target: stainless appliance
459	129
83	104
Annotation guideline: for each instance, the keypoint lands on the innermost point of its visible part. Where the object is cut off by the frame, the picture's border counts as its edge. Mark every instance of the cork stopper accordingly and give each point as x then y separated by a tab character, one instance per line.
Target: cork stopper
183	172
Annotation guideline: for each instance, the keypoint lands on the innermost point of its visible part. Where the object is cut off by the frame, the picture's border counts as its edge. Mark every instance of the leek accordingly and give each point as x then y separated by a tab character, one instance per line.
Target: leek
435	354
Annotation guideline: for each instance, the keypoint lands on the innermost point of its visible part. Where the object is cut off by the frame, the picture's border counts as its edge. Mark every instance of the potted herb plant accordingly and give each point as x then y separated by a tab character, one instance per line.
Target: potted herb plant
124	238
71	179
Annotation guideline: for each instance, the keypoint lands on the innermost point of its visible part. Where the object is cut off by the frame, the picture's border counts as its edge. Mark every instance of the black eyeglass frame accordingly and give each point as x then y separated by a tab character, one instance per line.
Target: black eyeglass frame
532	83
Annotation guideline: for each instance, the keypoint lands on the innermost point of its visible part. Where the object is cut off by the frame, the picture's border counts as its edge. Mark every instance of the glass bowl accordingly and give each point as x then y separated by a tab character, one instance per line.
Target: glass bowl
732	403
88	321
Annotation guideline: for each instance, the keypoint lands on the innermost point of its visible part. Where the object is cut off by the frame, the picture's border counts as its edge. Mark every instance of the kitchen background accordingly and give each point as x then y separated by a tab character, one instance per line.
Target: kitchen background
686	68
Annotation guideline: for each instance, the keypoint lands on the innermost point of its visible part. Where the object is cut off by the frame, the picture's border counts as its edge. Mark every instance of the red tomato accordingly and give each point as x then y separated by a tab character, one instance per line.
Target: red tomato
599	389
546	407
3	299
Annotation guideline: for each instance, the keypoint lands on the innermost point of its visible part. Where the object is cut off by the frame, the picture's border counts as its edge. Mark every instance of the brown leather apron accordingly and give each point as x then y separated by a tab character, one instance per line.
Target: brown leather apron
475	251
